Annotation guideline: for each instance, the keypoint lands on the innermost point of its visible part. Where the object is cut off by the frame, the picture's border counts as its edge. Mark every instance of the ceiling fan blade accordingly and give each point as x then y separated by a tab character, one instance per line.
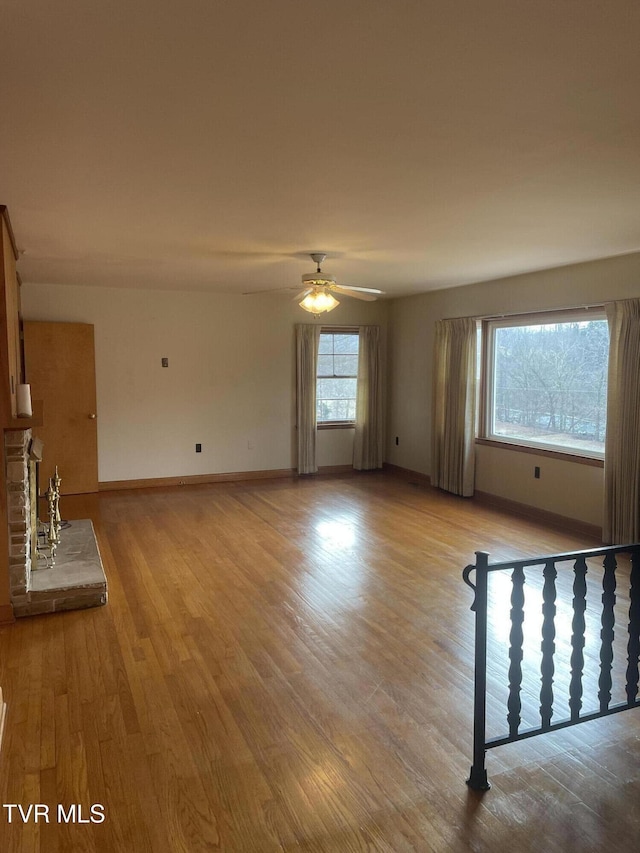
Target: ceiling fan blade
362	289
347	291
302	294
270	290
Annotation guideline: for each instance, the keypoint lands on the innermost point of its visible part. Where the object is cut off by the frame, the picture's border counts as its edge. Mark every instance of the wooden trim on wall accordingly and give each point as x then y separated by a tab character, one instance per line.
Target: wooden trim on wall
230	477
195	479
3	716
6	610
552	519
407	474
4	214
339	330
593	461
336	425
338	469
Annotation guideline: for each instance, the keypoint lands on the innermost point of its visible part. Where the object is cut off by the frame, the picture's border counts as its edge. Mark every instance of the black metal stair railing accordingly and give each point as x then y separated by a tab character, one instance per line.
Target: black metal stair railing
547	579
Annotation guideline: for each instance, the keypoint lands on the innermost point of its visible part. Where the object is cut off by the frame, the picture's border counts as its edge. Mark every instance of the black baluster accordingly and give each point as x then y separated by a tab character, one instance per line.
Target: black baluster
548	645
607	633
515	650
633	647
577	637
478	776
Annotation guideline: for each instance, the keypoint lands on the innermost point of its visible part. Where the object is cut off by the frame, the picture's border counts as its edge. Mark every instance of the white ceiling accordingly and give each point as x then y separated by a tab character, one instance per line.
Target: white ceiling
209	144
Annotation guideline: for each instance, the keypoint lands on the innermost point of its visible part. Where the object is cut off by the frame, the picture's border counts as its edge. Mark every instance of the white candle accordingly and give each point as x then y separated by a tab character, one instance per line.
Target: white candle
23	400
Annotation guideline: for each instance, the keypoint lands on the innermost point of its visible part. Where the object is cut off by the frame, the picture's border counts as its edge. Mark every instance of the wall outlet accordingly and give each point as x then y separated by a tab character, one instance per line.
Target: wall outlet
198	448
165	361
397	440
536	472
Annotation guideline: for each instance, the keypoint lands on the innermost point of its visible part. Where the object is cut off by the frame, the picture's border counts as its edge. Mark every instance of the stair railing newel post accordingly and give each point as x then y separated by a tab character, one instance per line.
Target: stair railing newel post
478	776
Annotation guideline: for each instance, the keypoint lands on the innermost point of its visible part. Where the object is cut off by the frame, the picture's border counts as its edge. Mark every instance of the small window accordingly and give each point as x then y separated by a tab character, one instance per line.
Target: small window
337	378
546	381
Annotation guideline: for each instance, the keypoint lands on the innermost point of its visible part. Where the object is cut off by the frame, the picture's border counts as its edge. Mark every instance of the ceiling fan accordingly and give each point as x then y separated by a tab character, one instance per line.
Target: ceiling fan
317	297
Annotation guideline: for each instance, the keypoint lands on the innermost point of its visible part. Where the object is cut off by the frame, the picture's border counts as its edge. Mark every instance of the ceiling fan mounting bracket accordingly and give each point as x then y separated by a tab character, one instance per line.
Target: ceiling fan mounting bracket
318	258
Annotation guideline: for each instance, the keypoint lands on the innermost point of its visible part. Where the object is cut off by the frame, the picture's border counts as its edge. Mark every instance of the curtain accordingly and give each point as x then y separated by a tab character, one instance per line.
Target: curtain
307	339
367	441
622	444
454	397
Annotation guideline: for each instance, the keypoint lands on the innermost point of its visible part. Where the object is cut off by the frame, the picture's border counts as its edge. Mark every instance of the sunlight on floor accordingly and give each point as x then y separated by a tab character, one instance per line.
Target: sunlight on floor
336	534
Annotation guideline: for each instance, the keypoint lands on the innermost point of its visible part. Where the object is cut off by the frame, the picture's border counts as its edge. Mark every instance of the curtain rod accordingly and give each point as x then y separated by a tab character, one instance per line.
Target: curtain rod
350	328
597	306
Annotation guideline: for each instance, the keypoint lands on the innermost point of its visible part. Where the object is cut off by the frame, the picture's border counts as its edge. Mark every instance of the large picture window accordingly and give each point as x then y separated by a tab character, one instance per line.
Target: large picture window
545	381
337	378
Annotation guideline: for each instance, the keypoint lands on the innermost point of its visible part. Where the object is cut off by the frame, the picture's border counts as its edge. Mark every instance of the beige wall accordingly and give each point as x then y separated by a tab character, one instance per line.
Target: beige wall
566	488
231	377
229	384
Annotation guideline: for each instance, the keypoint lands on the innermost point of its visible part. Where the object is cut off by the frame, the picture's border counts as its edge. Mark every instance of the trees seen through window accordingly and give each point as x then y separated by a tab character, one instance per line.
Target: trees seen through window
547	382
337	377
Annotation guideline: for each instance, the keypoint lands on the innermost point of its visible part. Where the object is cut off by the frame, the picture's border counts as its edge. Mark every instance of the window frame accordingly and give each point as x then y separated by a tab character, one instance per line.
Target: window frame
337	330
486	392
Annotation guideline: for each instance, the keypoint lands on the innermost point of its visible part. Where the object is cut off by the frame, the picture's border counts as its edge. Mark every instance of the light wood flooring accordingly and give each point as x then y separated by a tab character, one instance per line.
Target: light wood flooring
287	665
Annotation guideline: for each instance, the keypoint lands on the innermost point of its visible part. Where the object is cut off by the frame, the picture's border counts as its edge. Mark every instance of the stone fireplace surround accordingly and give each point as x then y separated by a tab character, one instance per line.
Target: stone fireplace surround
77	579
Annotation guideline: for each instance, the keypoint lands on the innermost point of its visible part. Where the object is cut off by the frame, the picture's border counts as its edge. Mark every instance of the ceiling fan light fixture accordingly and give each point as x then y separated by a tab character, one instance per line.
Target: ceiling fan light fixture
318	302
318	279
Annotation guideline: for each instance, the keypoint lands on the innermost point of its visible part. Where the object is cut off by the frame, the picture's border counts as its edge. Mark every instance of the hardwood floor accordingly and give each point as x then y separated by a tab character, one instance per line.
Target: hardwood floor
287	665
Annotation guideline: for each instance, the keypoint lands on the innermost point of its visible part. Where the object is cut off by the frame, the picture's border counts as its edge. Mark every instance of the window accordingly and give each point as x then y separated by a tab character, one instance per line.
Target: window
546	381
337	377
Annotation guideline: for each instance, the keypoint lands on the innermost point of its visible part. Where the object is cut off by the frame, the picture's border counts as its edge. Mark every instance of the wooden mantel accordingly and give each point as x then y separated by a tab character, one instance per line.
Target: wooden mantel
36	420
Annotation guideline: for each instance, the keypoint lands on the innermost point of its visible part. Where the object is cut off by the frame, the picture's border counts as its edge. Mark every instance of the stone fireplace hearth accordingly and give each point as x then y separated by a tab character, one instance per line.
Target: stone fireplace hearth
77	579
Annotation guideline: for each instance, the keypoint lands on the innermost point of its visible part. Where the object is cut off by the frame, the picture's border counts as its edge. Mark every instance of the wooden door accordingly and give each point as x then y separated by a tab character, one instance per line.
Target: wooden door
60	367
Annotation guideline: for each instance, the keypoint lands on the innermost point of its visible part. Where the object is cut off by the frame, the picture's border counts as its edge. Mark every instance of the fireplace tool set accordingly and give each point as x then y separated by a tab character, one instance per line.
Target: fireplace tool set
51	530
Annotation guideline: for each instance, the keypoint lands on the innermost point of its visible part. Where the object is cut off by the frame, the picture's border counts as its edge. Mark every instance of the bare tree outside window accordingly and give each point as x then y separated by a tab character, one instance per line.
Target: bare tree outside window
548	384
337	377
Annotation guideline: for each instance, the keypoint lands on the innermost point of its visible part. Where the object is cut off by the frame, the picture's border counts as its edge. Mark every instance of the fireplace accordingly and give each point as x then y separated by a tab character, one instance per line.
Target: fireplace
20	514
76	578
33	466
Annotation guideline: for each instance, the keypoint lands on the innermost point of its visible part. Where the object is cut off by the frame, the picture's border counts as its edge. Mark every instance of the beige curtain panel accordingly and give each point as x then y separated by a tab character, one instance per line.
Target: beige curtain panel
368	438
307	341
454	395
622	445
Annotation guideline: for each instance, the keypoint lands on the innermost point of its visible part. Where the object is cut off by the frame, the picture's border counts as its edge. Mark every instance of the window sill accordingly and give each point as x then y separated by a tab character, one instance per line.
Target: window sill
540	451
337	425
